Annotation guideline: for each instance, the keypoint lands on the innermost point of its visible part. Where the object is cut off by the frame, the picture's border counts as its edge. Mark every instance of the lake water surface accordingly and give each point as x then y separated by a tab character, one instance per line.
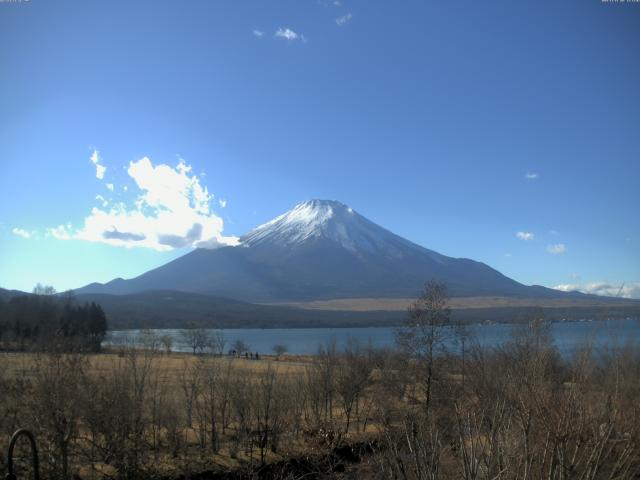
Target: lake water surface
303	341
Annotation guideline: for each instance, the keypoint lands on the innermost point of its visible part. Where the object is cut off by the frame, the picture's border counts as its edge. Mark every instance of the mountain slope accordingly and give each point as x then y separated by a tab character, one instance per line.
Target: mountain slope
8	294
171	309
321	250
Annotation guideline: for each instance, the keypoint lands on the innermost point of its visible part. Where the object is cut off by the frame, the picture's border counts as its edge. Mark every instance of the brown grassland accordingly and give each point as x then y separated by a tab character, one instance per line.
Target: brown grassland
519	411
457	303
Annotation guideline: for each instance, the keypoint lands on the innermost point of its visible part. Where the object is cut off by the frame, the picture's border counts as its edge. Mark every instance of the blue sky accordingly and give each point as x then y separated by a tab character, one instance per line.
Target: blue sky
426	117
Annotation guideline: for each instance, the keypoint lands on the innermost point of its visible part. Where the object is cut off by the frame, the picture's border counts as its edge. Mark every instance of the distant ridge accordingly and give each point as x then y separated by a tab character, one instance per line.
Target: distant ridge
8	294
174	309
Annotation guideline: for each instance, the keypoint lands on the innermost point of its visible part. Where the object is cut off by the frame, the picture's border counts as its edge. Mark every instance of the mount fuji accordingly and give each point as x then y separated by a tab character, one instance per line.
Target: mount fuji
321	250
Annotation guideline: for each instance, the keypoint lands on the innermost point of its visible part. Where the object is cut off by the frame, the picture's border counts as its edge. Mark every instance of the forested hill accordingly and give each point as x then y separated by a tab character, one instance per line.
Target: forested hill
172	309
45	322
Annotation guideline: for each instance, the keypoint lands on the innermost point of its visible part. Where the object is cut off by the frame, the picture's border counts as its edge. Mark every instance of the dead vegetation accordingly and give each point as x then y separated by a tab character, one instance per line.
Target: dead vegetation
518	411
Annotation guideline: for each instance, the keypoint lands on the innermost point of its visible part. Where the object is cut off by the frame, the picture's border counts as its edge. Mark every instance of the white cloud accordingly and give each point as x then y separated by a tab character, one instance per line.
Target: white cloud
171	210
526	236
557	249
626	290
109	186
103	200
22	233
223	203
100	169
289	34
508	255
344	19
258	33
61	232
531	176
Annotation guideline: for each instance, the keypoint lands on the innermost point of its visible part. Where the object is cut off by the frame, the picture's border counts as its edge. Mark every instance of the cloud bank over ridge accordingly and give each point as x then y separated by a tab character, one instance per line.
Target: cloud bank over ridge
624	290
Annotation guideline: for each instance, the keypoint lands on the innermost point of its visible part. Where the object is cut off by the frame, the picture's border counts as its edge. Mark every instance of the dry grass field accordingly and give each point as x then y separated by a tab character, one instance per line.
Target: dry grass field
172	366
180	413
462	303
518	411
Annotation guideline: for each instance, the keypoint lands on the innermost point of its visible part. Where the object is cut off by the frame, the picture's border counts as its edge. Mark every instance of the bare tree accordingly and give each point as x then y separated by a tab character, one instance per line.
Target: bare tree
279	349
242	411
190	383
427	331
240	347
57	396
149	340
46	290
212	402
325	367
269	410
167	343
196	338
353	373
216	342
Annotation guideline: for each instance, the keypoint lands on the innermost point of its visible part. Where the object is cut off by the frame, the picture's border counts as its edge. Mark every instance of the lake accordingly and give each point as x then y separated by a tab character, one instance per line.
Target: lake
303	341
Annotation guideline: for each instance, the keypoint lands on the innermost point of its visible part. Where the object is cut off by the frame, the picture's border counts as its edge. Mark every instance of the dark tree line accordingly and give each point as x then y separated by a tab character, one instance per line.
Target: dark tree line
44	320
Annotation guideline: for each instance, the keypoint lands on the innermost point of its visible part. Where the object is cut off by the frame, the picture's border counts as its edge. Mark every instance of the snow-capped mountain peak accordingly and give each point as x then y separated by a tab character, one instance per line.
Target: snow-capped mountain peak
330	221
320	250
306	220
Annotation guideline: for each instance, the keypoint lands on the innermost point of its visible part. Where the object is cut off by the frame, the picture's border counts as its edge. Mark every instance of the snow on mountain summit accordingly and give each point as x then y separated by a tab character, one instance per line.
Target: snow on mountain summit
306	220
320	250
327	220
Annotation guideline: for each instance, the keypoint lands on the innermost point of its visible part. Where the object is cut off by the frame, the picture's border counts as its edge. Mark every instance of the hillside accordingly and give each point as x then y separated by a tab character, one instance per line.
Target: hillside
322	250
173	309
